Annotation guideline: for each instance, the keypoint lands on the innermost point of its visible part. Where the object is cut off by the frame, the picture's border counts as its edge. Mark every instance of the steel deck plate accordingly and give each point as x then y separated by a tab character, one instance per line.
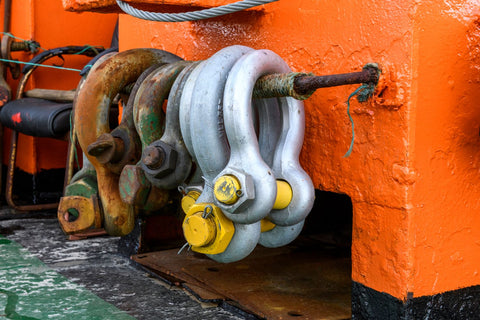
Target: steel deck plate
291	282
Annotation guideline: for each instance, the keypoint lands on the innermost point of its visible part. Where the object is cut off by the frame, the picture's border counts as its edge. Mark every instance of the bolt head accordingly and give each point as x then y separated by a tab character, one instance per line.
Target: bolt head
207	234
134	186
153	157
159	159
106	148
247	191
199	231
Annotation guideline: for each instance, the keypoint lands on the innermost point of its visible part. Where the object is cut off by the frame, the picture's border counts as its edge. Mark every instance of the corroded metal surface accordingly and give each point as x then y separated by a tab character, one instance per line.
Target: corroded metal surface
87	234
76	213
9	184
124	147
107	148
172	138
149	120
305	282
309	83
148	114
91	121
302	85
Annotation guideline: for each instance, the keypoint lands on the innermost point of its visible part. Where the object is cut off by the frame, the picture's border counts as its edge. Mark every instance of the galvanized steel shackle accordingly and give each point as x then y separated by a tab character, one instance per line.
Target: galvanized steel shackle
255	178
286	167
186	110
212	151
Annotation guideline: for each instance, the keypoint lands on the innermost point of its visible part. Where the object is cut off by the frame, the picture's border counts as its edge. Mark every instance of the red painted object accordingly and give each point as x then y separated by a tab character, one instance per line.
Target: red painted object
16	118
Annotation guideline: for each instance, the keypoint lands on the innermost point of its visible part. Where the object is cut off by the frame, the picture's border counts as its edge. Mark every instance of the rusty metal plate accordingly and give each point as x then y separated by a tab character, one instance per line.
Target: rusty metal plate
87	234
291	282
169	265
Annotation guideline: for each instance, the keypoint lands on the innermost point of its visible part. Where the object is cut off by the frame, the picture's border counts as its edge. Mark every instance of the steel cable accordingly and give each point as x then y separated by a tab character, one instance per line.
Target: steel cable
192	15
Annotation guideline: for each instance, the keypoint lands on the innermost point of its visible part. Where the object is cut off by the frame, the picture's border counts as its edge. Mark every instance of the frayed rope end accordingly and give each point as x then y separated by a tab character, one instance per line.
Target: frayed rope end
363	92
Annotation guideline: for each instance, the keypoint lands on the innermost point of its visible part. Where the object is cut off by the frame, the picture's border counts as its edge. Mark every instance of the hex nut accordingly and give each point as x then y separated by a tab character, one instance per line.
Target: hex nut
106	148
134	186
153	157
161	162
219	228
247	189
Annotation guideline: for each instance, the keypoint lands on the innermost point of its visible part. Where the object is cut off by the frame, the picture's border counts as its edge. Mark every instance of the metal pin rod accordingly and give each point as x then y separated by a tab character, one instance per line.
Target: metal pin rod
301	85
19	46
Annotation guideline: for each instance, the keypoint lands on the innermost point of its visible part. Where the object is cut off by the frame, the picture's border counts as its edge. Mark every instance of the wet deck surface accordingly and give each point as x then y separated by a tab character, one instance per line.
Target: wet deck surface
306	281
95	265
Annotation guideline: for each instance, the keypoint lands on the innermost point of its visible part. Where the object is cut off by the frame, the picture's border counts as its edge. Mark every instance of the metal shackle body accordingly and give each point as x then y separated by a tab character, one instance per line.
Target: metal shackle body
289	221
148	114
209	142
149	121
83	187
172	136
125	131
286	166
134	187
185	109
92	120
207	131
245	157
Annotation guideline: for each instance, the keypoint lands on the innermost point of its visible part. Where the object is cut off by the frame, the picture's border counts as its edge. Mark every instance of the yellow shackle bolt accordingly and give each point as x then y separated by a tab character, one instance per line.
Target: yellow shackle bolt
207	229
284	195
199	231
227	189
266	225
189	200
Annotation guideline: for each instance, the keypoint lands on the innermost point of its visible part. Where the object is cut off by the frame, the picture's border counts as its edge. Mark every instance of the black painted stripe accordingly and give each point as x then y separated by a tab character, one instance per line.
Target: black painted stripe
461	304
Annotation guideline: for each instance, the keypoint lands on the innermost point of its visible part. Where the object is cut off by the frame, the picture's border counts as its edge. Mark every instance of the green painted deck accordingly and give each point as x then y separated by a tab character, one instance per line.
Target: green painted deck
30	290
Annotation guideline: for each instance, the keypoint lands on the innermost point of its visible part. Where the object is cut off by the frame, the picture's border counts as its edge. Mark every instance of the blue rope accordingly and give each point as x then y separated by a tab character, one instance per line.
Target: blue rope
87	47
363	93
40	65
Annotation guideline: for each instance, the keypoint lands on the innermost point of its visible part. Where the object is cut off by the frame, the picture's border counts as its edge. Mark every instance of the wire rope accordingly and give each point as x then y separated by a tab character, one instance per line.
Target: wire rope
191	15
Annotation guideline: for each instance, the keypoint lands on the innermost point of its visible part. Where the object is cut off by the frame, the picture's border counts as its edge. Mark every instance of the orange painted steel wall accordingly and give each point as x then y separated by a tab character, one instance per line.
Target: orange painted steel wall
163	5
445	198
413	176
49	24
329	37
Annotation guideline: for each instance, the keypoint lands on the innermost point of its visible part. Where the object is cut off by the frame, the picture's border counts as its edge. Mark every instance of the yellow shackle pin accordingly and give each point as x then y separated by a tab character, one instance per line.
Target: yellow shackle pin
206	229
227	190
